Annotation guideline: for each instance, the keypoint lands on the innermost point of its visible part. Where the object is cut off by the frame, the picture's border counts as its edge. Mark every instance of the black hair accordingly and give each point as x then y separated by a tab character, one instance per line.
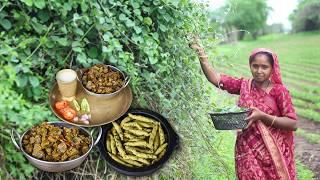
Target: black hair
269	55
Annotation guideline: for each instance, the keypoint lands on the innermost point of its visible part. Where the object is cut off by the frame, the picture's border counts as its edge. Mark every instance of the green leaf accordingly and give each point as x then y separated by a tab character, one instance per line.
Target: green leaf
175	2
137	12
106	36
39	4
76	43
28	2
112	59
104	49
76	46
50	44
163	28
39	28
84	6
137	29
22	81
82	58
34	81
3	14
43	15
43	40
130	23
63	41
122	17
147	21
135	5
5	23
67	6
64	29
79	31
153	60
77	49
93	52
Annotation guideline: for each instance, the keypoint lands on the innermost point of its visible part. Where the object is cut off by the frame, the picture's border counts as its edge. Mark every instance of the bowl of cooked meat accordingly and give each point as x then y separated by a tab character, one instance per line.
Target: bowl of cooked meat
55	146
103	80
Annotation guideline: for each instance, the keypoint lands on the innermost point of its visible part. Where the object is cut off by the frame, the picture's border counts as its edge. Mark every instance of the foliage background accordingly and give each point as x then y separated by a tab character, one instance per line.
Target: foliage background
306	17
146	39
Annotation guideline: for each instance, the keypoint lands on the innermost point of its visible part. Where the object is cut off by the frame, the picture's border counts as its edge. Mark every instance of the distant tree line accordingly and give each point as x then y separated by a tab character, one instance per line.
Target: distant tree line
239	18
307	16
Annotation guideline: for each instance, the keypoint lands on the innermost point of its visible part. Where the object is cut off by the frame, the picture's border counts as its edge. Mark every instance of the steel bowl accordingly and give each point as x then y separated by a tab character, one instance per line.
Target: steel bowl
126	79
56	166
172	139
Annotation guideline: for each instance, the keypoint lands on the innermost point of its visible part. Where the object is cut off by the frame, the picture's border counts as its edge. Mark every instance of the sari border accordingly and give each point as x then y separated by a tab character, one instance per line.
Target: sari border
274	151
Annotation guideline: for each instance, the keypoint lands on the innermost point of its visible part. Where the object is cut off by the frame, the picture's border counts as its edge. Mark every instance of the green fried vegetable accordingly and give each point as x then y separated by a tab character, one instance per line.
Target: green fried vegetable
118	129
119	146
156	141
135	158
152	136
108	142
116	158
140	154
132	124
125	120
161	148
161	134
142	118
113	145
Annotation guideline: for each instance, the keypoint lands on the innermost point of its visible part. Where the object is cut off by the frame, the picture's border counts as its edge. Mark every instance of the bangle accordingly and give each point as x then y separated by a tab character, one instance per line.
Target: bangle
273	121
204	56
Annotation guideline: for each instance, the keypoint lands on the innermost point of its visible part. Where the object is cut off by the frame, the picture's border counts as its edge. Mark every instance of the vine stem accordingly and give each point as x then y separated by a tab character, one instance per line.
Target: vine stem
40	44
84	35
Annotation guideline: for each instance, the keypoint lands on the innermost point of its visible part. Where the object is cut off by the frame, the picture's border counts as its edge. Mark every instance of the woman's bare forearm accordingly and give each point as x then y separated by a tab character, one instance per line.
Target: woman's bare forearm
209	72
207	68
283	123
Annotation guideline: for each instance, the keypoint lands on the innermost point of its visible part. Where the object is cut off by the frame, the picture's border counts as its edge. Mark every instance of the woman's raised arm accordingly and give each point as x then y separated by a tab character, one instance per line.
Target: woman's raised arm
207	68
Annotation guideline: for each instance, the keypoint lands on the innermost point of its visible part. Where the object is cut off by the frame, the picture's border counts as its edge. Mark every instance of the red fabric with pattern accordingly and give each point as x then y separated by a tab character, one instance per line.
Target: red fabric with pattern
253	160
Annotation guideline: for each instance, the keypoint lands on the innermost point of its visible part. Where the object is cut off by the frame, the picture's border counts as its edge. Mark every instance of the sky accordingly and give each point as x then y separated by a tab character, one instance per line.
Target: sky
280	14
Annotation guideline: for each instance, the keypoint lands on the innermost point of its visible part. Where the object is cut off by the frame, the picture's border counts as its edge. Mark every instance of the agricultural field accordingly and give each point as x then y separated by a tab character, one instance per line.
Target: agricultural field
300	66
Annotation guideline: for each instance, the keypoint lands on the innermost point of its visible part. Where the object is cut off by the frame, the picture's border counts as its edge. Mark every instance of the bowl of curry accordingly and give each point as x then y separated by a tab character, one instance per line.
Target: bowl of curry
102	80
55	146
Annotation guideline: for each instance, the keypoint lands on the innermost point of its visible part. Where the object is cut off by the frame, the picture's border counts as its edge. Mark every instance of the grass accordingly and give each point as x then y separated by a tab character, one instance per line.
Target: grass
310	137
303	172
302	104
308	113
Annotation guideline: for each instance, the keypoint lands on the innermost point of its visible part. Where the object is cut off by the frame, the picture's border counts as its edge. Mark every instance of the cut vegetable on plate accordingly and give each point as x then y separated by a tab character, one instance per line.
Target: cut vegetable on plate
80	113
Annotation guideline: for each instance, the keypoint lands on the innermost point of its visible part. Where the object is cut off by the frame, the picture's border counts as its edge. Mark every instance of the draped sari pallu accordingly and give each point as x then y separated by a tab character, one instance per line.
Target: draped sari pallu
263	152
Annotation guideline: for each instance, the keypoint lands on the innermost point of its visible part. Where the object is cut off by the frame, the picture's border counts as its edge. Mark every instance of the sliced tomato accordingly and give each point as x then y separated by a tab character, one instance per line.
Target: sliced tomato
68	113
61	105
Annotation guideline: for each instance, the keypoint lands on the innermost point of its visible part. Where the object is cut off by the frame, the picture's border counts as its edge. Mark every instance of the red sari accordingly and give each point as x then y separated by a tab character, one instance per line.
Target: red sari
262	152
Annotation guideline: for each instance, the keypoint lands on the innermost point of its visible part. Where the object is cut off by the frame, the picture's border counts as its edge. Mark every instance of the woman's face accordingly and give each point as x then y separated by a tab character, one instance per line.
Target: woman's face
261	68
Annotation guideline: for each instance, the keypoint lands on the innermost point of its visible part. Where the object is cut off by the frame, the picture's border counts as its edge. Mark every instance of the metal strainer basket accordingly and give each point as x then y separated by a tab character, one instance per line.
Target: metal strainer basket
230	120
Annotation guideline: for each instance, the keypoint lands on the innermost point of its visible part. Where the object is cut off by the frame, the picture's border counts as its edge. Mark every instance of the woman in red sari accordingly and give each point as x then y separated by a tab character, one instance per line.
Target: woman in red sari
265	148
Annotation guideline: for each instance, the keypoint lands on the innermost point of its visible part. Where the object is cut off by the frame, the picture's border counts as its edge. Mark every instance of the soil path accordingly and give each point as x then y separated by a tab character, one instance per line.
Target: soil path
307	153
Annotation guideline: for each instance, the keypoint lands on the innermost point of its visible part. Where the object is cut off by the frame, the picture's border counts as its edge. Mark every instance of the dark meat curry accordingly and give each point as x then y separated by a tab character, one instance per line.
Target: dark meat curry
53	143
102	79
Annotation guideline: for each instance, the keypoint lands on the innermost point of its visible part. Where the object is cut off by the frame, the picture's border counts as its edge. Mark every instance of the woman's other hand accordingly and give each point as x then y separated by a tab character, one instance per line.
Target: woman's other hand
195	44
255	114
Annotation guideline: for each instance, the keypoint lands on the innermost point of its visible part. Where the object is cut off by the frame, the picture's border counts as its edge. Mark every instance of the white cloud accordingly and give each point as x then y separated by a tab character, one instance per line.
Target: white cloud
281	12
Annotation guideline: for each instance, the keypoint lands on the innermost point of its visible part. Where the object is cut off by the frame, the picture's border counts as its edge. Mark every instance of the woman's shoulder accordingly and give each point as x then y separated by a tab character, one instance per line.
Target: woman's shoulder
279	89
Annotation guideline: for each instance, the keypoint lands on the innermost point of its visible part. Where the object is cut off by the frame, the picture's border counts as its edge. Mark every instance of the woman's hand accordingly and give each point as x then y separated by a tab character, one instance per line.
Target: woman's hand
194	44
255	114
